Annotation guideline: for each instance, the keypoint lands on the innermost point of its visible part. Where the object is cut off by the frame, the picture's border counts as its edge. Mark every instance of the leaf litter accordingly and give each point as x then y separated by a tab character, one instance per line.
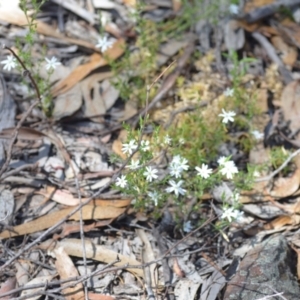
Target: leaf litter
127	253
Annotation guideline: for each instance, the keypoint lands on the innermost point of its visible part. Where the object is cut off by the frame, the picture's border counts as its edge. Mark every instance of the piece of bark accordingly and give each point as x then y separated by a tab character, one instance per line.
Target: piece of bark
267	269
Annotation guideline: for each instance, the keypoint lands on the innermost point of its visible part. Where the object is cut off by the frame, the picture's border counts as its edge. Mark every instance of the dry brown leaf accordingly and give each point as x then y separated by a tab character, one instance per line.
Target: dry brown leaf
292	31
288	53
95	102
117	148
293	208
177	269
259	193
248	27
67	103
7	286
252	4
66	270
268	31
93	296
89	212
96	61
290	104
24	133
284	187
117	144
176	4
283	221
67	229
129	111
131	3
93	251
66	198
114	203
60	196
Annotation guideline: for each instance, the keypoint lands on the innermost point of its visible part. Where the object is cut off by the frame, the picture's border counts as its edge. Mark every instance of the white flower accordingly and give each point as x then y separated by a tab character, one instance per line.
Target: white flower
227	116
180	161
232	214
256	174
229	92
228	169
167	140
183	164
154	196
181	141
228	213
145	145
121	181
234	9
175	170
129	147
258	135
176	187
204	171
222	160
9	63
177	165
150	174
52	63
104	44
134	164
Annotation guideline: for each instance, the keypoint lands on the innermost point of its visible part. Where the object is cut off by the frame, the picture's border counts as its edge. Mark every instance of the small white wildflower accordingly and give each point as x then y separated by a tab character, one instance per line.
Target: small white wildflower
258	135
232	214
150	174
175	170
9	63
121	181
175	187
227	116
204	171
256	174
167	140
145	145
154	196
129	147
180	161
176	159
234	9
104	44
229	169
229	92
222	160
229	214
184	164
105	18
181	141
52	63
177	165
134	164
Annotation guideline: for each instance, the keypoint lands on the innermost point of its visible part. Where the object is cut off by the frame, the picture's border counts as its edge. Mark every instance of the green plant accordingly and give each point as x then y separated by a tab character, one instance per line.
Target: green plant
33	64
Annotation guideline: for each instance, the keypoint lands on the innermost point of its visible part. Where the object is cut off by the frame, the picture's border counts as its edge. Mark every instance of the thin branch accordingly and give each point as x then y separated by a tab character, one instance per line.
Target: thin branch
269	177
